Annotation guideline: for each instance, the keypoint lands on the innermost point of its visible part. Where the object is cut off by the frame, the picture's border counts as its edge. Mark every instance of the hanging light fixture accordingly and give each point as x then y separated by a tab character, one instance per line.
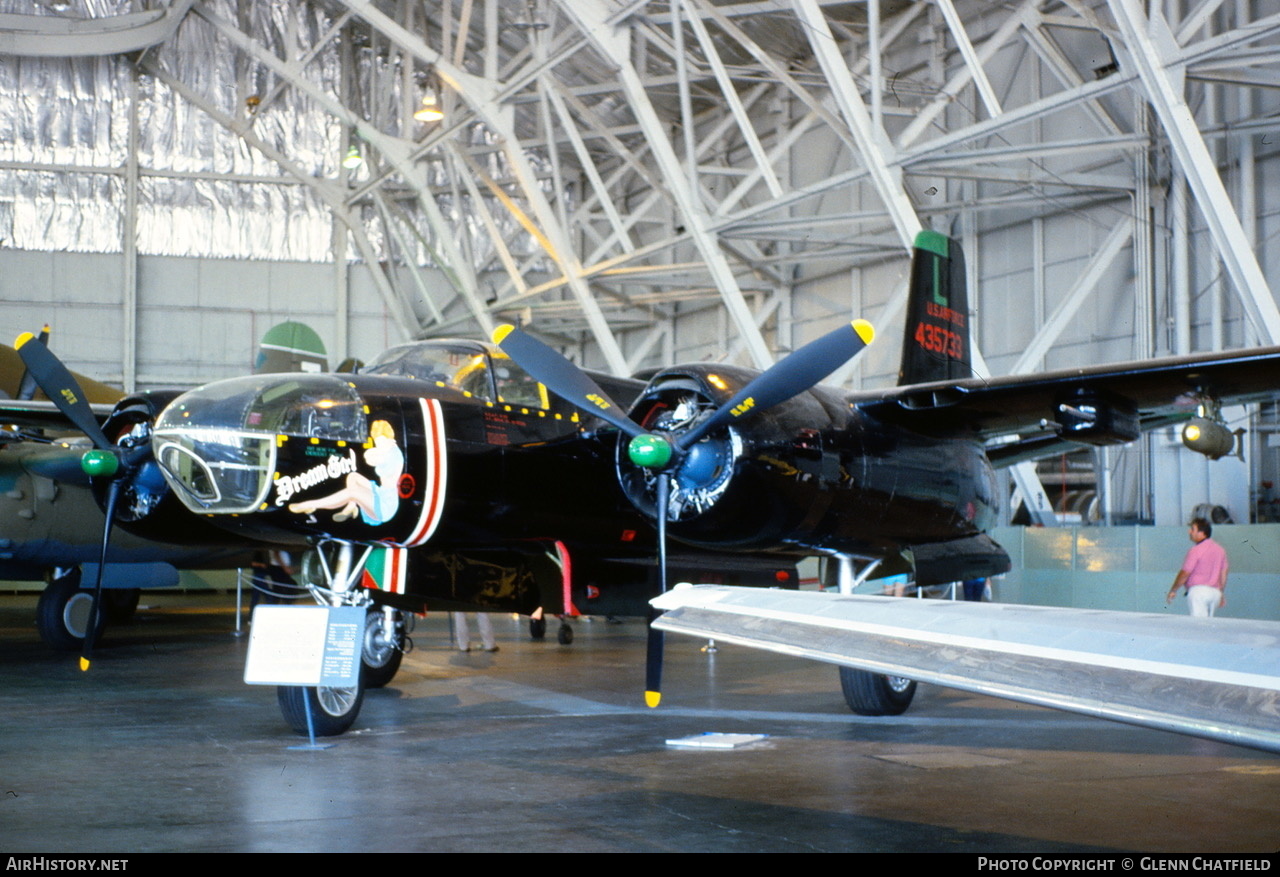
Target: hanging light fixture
353	159
430	110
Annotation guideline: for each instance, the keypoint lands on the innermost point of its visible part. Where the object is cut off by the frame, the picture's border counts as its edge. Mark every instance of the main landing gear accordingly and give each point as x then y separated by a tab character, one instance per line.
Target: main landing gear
62	613
875	694
538	629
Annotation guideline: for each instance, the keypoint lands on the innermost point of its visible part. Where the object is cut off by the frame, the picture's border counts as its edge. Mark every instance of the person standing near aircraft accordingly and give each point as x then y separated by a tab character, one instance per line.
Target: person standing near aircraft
975	589
273	578
462	633
1203	573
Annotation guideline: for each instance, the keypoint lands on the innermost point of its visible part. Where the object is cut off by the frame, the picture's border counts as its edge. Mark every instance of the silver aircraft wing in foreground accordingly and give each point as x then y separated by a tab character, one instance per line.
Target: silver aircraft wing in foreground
1218	679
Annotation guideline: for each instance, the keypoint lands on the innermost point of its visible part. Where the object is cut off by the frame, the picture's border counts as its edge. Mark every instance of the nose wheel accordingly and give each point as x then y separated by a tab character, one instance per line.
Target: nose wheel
331	572
325	711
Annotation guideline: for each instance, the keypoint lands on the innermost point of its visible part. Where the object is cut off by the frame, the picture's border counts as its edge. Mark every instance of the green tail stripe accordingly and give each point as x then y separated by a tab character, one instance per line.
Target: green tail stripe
933	242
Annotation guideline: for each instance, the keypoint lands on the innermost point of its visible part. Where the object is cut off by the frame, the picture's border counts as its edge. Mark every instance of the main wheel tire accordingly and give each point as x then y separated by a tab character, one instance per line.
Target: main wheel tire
119	604
63	613
565	634
875	694
380	658
333	710
538	628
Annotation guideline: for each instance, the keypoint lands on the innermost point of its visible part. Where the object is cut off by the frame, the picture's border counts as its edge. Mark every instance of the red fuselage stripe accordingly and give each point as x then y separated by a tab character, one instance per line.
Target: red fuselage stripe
566	579
397	570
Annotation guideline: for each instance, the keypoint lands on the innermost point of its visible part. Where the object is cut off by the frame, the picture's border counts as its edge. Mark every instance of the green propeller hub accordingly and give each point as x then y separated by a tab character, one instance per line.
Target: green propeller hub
649	451
99	464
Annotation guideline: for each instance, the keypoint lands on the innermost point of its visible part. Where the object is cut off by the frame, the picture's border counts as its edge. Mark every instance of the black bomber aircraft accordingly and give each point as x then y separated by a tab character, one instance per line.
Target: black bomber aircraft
463	475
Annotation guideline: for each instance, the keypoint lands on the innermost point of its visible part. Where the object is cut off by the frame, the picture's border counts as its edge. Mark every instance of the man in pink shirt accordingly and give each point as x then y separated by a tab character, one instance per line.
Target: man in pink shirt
1203	573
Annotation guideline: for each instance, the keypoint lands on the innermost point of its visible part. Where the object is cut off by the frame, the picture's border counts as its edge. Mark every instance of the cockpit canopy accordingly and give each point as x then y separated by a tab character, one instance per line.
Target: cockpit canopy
478	370
217	443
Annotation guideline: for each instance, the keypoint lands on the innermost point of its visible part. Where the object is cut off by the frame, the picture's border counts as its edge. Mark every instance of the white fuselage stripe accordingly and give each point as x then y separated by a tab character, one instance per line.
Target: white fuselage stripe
437	472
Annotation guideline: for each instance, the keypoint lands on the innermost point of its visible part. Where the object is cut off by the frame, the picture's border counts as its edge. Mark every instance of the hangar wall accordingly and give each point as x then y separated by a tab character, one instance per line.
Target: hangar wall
1130	569
198	319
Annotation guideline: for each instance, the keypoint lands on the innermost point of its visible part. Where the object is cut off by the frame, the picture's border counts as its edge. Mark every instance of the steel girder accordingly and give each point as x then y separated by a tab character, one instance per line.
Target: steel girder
610	166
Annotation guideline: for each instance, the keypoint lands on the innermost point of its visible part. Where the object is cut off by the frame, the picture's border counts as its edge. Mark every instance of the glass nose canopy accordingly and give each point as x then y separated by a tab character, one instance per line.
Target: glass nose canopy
217	444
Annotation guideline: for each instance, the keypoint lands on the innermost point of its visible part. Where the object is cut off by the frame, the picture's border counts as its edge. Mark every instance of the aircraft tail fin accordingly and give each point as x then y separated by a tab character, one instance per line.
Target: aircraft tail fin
17	383
936	344
290	347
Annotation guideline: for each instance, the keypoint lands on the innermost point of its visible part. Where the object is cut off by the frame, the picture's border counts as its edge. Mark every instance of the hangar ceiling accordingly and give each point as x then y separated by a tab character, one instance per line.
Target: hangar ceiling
606	169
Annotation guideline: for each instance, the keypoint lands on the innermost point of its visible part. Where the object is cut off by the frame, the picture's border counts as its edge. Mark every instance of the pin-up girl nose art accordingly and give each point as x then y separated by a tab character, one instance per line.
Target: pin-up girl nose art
375	501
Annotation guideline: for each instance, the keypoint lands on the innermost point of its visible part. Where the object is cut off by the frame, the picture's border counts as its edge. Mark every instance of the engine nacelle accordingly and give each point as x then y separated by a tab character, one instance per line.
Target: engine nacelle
811	474
147	506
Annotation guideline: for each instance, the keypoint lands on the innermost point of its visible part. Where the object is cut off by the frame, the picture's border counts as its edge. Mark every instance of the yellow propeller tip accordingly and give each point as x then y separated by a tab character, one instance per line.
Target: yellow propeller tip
865	331
501	332
84	664
22	339
651	698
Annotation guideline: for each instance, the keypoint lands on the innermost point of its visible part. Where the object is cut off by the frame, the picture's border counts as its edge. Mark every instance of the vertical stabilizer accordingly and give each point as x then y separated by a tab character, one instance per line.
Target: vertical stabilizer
936	345
290	347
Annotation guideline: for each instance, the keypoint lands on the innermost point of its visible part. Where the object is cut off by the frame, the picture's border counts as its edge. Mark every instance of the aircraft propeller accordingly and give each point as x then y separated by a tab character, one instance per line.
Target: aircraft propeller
115	462
27	384
666	453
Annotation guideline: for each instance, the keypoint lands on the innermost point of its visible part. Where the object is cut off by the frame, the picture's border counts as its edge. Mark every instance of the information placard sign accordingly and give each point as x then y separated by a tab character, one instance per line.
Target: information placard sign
305	645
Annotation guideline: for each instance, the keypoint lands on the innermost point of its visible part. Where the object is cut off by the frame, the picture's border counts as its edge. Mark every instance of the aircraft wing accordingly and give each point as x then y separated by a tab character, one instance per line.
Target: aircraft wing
1219	680
1155	392
41	414
12	371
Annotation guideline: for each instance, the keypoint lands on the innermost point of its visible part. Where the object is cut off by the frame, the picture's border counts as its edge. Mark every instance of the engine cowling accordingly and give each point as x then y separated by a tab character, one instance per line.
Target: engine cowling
810	474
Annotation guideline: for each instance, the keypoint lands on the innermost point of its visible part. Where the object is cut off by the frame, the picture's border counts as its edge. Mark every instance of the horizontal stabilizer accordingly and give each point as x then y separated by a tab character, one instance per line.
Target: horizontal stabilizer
1218	679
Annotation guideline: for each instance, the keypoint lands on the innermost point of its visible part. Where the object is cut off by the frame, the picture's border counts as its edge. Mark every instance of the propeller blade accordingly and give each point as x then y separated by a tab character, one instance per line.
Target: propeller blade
789	377
107	461
27	386
61	388
653	663
653	655
563	378
113	495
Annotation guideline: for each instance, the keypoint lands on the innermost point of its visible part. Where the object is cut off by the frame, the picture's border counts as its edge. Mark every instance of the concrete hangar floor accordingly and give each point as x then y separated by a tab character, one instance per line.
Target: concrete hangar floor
542	747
